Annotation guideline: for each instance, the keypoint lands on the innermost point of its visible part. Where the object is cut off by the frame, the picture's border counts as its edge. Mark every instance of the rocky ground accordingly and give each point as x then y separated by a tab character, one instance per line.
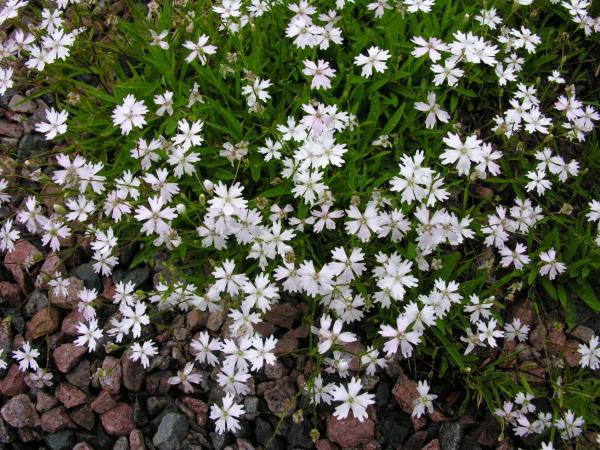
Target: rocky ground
105	401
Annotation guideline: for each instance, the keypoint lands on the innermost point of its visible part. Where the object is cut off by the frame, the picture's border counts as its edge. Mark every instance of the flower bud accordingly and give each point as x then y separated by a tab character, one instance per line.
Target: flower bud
180	208
208	185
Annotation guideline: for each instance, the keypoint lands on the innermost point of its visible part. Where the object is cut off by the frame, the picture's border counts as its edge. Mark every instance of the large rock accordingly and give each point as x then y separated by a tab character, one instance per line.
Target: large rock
71	300
405	392
10	292
19	412
52	265
45	402
69	395
85	272
119	420
133	373
283	315
18	261
350	432
80	376
112	382
281	397
13	382
104	402
62	440
46	321
70	323
451	434
37	301
172	430
84	417
67	356
55	420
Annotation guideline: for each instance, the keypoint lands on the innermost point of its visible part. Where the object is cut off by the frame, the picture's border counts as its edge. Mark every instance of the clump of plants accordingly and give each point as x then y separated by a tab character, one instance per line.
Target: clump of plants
406	170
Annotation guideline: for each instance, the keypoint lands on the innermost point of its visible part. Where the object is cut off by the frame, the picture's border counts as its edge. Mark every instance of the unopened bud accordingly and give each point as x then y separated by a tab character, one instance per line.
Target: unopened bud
566	208
208	185
180	208
314	435
261	202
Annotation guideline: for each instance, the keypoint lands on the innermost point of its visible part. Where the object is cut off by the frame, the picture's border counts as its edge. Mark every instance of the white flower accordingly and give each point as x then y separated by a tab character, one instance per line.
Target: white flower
199	49
130	114
434	111
189	135
89	334
55	125
552	267
430	47
134	318
461	153
375	59
226	280
255	92
155	217
321	73
570	425
424	401
399	336
518	256
3	363
165	103
204	347
263	352
329	338
488	331
226	415
352	400
538	182
54	231
419	5
362	224
26	357
590	354
158	40
233	381
8	236
448	72
6	81
143	352
185	377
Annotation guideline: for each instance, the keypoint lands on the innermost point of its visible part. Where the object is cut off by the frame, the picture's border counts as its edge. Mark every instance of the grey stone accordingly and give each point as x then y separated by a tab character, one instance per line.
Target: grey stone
97	438
137	276
140	416
121	444
250	407
218	441
80	376
31	144
63	440
37	300
263	431
20	104
451	435
299	435
395	428
172	430
7	434
157	404
85	273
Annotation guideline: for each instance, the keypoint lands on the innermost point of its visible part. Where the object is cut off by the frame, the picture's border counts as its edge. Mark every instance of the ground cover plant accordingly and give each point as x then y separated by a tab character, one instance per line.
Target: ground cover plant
413	183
